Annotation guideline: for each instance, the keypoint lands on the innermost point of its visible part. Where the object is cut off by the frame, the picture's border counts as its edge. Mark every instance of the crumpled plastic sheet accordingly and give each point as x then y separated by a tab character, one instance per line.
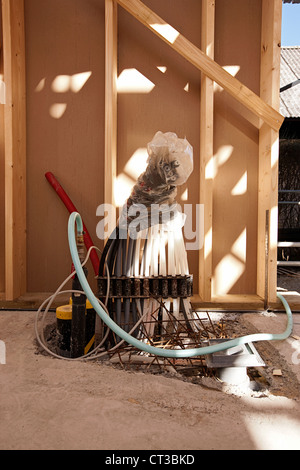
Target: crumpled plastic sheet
169	164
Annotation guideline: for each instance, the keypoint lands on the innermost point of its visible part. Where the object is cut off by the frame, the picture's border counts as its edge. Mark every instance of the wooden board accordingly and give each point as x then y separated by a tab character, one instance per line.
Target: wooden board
66	98
206	179
2	179
268	153
15	147
111	60
170	100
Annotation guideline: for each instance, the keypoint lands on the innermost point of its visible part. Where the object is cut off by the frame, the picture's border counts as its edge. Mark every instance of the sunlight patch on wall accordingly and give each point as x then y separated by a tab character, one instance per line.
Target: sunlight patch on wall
132	81
241	186
57	110
79	80
122	189
223	154
227	273
232	69
185	195
61	83
74	83
137	163
239	246
41	85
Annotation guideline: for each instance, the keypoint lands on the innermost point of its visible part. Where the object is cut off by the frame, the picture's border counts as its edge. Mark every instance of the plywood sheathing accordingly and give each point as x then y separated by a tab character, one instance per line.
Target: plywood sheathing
65	119
75	44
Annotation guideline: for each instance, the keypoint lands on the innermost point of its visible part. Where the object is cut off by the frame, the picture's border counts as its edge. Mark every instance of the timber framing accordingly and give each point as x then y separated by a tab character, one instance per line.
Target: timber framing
14	147
111	58
268	154
265	107
206	151
204	63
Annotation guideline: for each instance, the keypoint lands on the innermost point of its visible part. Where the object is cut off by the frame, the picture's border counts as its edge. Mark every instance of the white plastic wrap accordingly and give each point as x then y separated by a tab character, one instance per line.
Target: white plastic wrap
170	163
171	157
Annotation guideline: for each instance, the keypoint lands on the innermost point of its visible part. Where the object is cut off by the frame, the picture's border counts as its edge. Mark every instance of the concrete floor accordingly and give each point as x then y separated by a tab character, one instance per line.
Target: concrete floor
48	403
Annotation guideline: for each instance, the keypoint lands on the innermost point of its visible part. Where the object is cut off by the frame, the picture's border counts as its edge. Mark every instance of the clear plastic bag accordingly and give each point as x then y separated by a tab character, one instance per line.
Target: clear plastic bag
170	163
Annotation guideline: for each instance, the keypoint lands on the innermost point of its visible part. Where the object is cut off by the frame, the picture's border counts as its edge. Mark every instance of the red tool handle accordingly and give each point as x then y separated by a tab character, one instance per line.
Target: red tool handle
71	208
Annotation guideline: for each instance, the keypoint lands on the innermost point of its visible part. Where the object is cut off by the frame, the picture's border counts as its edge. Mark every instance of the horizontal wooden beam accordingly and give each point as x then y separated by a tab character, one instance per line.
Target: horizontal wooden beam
204	63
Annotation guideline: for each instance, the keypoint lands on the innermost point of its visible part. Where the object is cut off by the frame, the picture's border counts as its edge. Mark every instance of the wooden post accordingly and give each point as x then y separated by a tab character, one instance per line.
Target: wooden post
111	53
268	151
15	147
206	151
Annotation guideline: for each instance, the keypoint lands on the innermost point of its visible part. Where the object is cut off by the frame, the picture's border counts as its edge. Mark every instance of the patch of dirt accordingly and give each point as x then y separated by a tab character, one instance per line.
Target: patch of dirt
195	370
48	403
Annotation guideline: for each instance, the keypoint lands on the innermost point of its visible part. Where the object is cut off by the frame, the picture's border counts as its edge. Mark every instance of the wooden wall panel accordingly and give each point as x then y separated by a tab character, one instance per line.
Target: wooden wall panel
199	59
65	116
65	76
206	176
236	151
168	106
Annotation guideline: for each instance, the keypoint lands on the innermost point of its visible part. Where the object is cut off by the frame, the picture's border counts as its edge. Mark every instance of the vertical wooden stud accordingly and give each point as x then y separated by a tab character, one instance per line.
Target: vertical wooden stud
268	151
2	216
206	151
15	147
111	53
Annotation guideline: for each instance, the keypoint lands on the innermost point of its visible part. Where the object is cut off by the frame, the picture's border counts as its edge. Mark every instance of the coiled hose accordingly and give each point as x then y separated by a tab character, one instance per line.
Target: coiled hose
75	218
